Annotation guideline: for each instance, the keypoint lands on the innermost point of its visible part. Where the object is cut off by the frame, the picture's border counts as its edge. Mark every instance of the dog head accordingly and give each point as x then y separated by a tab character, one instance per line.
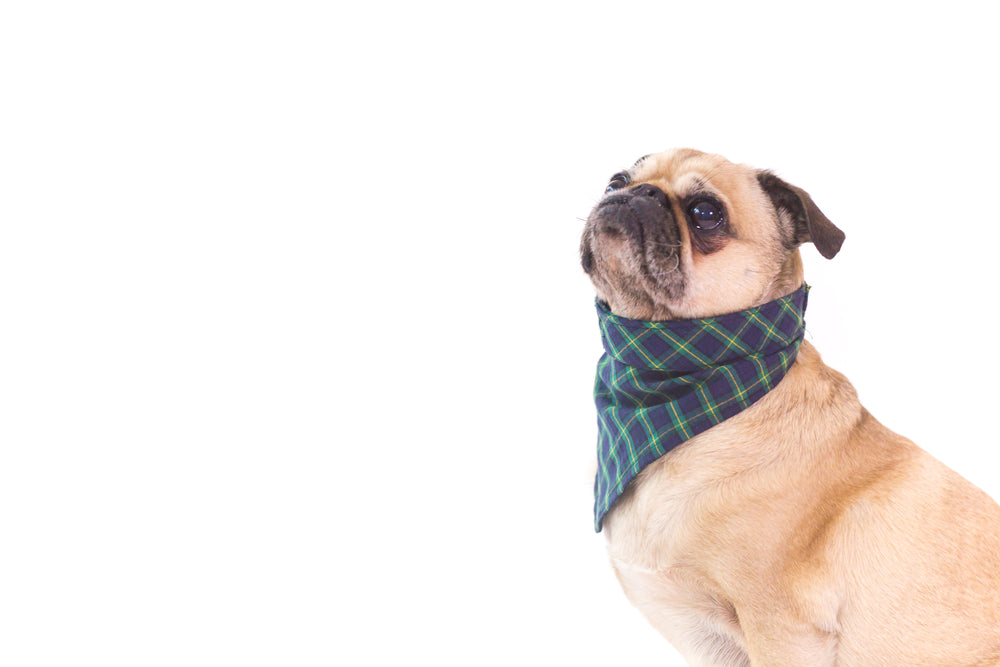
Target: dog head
685	234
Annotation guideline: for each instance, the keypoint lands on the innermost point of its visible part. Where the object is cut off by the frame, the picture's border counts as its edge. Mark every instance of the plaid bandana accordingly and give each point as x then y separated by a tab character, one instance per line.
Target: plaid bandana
660	384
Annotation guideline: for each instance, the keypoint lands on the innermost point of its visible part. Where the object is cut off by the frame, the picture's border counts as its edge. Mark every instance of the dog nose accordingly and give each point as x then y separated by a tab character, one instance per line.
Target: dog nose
650	190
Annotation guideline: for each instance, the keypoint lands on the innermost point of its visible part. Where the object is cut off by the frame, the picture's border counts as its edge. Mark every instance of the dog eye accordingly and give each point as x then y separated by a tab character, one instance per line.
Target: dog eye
618	181
706	214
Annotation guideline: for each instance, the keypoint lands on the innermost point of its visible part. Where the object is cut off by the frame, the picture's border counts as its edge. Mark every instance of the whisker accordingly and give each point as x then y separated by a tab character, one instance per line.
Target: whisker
664	244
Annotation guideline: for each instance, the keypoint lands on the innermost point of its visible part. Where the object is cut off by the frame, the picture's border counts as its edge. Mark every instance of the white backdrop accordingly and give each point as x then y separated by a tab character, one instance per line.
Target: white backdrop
296	350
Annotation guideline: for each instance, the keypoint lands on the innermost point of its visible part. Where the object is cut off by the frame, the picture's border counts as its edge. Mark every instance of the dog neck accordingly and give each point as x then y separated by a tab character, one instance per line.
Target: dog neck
661	383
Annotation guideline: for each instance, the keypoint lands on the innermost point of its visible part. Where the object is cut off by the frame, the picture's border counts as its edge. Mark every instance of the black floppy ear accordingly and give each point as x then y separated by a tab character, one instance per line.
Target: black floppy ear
810	223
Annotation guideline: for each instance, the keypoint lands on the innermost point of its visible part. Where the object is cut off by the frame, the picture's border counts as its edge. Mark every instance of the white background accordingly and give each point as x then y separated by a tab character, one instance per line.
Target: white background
296	350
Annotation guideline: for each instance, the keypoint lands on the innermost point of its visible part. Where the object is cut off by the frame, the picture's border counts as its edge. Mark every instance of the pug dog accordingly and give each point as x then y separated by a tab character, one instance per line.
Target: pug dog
801	531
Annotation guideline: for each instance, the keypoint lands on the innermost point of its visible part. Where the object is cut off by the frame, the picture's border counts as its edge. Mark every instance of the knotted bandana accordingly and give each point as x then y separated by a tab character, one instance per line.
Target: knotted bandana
660	384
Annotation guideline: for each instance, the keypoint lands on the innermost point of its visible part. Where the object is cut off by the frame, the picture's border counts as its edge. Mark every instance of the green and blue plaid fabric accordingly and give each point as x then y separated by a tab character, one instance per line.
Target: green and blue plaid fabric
660	384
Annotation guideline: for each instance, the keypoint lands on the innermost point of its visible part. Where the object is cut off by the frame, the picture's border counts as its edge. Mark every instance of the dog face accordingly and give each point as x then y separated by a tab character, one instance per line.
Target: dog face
686	234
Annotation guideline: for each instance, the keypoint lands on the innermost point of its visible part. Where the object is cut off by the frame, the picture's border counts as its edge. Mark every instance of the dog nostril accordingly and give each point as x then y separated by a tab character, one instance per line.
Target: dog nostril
649	190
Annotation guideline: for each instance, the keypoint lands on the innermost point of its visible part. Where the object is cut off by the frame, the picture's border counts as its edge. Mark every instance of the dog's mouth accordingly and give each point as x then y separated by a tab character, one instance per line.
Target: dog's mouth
634	236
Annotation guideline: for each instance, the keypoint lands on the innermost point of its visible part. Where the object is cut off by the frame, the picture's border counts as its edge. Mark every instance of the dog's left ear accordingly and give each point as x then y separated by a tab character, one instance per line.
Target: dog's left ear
810	223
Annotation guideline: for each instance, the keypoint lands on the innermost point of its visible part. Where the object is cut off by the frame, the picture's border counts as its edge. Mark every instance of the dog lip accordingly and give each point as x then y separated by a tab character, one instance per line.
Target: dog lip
645	225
